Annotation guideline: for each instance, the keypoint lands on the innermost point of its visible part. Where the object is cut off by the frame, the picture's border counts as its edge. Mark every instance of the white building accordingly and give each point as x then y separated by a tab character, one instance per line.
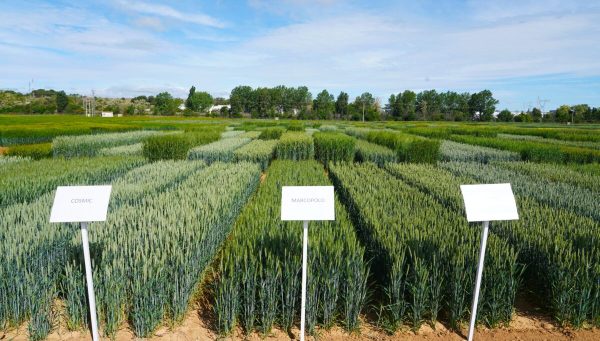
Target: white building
107	114
219	107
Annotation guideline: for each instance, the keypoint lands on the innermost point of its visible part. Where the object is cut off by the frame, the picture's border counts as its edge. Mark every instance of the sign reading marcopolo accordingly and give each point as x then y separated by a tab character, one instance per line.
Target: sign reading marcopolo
80	204
307	203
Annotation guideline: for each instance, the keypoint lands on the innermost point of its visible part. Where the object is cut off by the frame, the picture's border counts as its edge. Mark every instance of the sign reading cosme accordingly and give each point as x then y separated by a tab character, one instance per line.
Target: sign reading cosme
80	204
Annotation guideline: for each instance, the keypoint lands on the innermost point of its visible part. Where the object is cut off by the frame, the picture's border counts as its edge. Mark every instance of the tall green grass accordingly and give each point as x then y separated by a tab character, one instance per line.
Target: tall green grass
221	150
22	182
33	252
258	281
371	152
558	247
409	148
259	151
295	146
425	253
333	147
89	145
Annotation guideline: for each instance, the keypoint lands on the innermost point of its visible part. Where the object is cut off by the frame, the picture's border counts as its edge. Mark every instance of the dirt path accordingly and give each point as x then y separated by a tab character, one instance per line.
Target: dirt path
523	328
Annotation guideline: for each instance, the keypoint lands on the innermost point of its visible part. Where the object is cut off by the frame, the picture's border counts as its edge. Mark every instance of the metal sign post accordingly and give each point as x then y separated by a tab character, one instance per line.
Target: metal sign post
83	204
484	236
485	203
304	270
305	203
89	280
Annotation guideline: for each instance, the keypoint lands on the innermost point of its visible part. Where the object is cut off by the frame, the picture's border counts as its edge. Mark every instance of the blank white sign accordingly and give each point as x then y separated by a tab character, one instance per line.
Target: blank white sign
80	204
307	203
489	202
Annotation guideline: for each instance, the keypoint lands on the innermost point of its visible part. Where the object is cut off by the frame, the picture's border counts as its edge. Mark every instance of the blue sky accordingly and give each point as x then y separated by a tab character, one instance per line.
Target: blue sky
518	49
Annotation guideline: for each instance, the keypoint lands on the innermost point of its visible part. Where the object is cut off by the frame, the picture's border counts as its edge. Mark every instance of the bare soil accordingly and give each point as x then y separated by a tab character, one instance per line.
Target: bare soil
194	327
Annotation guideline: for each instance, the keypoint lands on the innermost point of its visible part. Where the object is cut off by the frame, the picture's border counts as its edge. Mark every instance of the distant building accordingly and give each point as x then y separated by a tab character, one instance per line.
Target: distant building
219	107
107	114
182	106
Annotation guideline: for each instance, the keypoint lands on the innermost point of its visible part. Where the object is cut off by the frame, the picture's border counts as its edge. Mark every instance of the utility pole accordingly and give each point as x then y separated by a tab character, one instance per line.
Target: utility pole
93	103
542	104
572	115
89	104
30	94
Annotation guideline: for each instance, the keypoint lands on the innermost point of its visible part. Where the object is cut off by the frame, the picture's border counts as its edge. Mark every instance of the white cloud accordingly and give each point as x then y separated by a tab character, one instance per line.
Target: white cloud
150	22
354	51
170	12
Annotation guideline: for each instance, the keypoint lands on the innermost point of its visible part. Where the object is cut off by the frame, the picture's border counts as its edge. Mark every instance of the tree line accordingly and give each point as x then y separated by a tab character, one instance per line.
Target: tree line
298	102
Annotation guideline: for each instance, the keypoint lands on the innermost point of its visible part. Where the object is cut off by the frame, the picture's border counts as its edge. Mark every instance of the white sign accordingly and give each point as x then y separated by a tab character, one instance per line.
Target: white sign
307	203
489	202
80	204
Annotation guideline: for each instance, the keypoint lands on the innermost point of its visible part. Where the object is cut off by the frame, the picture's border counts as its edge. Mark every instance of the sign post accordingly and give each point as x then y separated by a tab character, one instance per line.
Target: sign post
83	204
485	203
305	203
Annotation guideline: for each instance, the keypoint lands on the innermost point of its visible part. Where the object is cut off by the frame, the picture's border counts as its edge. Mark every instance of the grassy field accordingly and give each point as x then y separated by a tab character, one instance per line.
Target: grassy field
194	224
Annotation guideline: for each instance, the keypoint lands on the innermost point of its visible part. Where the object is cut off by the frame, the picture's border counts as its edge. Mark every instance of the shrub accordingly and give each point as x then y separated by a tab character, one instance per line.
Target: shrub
34	151
333	147
273	133
295	146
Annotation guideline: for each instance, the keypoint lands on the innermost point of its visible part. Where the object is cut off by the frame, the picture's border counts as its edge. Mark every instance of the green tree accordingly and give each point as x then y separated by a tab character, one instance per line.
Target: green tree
407	104
198	101
341	105
203	101
505	116
189	102
392	107
581	112
523	117
324	105
364	103
536	115
61	101
241	99
165	104
429	104
482	105
563	114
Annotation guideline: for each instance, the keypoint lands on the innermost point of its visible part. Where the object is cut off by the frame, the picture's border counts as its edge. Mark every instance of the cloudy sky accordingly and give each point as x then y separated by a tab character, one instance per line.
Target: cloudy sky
518	49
